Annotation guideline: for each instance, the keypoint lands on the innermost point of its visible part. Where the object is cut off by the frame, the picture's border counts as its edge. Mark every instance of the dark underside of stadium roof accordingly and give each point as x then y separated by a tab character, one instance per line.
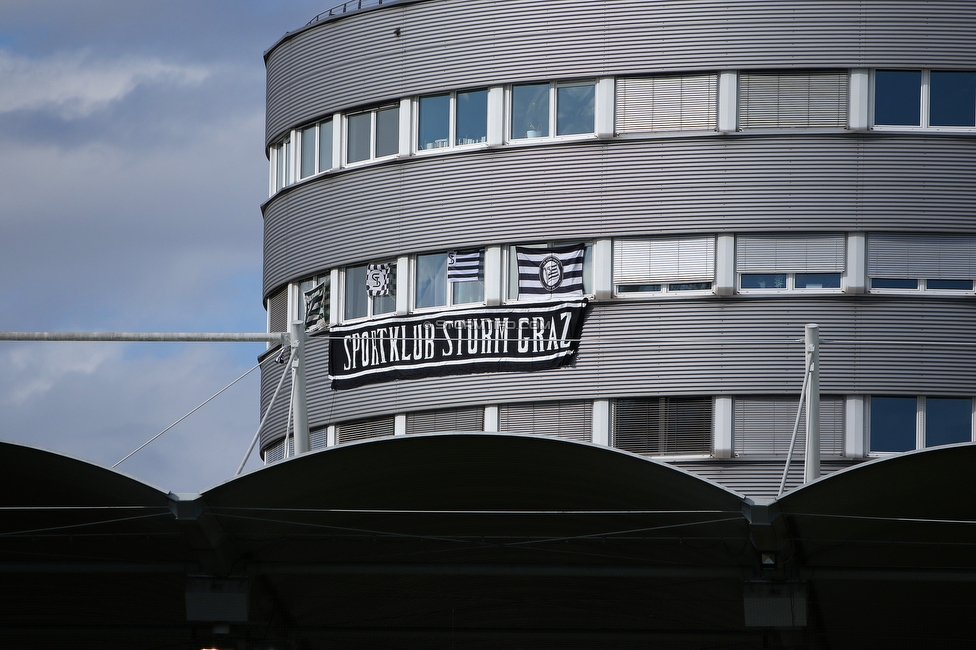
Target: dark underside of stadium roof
486	541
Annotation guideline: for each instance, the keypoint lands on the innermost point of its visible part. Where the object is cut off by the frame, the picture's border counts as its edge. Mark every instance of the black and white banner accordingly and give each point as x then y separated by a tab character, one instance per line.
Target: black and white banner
315	306
550	273
462	341
464	266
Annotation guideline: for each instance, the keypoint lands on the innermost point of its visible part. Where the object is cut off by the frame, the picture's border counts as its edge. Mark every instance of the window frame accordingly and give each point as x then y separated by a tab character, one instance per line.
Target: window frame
510	266
921	423
665	292
925	104
553	127
316	154
370	300
790	284
452	120
312	281
373	117
450	302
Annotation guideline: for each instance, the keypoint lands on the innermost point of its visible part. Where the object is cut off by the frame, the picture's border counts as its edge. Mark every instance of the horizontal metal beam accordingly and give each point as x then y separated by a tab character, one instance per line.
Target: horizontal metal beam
174	337
499	570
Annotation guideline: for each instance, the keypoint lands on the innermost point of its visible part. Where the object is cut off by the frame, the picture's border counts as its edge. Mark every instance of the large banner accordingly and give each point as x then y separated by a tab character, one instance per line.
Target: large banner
460	341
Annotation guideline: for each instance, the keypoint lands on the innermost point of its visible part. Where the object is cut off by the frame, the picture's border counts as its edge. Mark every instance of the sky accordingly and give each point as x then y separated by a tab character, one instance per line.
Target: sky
132	170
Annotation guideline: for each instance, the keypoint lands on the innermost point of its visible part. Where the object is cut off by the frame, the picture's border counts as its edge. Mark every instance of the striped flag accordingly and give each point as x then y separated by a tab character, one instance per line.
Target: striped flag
378	279
546	273
316	302
464	266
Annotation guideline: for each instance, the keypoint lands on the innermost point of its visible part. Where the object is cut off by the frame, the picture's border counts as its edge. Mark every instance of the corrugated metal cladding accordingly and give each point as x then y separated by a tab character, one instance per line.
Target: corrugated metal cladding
757	479
767	183
695	347
410	49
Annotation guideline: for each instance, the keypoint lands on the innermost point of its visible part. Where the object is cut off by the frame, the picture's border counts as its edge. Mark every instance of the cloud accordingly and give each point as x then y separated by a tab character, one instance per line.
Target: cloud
75	85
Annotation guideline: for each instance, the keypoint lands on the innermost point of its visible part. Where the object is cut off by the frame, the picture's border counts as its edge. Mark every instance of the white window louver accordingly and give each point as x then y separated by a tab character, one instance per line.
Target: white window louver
663	426
672	103
810	253
793	99
763	426
653	261
461	419
571	419
364	429
901	256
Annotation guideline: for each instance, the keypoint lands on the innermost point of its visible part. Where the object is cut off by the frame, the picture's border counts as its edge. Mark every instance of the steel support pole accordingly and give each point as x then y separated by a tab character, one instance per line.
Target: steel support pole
296	332
811	466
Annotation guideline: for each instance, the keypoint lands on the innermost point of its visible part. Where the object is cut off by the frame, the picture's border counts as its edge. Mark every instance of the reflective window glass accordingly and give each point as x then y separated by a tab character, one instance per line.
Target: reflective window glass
893	423
574	109
325	145
948	420
530	111
818	280
472	117
897	97
954	285
358	137
431	280
763	280
387	304
952	98
465	292
387	131
355	292
893	283
638	288
434	126
690	286
308	151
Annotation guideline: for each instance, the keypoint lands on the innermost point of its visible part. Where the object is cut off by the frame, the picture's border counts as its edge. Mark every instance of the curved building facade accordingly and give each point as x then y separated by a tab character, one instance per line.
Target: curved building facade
610	221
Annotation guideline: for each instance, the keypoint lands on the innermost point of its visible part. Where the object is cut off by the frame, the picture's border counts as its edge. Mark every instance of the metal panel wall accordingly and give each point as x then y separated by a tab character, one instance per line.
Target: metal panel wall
802	183
708	346
409	49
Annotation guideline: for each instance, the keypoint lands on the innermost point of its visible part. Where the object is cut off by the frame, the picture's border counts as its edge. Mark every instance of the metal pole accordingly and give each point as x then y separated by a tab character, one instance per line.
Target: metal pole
811	466
297	338
175	337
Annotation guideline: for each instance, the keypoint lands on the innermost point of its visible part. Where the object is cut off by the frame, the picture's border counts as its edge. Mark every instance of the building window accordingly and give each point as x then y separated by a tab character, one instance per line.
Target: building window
763	426
793	99
316	148
364	429
528	276
922	263
281	164
571	419
666	265
278	311
372	134
446	279
672	103
907	423
663	426
813	262
452	119
925	98
314	290
369	290
535	107
471	418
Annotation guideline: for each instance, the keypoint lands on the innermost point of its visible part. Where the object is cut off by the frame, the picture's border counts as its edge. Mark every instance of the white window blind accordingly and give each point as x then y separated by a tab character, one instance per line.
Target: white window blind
902	256
462	419
363	429
809	253
278	311
763	426
565	419
651	261
666	103
793	99
663	425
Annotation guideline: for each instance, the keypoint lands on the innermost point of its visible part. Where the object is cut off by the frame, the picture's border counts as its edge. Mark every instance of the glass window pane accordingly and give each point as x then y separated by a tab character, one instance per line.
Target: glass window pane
948	420
638	288
431	280
355	292
893	283
286	155
308	151
530	111
955	285
897	97
280	166
818	280
433	122
357	147
690	286
952	98
574	109
763	280
325	145
386	304
472	117
893	423
465	292
387	131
